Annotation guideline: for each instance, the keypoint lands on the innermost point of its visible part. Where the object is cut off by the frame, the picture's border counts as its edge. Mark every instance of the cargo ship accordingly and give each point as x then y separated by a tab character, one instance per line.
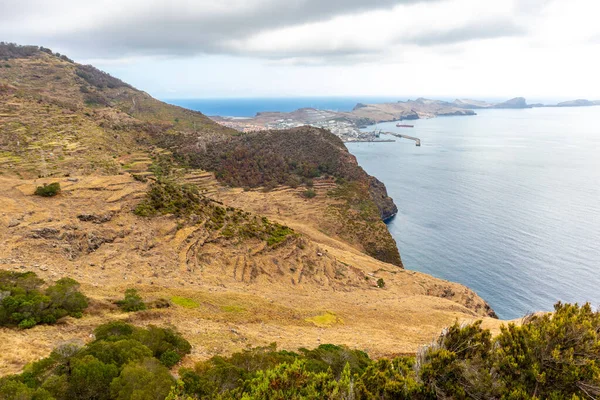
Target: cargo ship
404	126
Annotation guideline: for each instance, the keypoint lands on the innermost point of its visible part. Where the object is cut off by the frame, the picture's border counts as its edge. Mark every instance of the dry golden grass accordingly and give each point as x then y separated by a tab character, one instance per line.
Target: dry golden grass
246	294
226	294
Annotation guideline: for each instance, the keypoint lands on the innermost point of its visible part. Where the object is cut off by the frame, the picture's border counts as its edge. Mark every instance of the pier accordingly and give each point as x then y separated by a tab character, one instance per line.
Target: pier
417	140
370	141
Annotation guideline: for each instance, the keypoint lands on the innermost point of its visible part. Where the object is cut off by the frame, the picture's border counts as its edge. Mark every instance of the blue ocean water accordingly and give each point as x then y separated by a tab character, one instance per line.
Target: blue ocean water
506	202
248	107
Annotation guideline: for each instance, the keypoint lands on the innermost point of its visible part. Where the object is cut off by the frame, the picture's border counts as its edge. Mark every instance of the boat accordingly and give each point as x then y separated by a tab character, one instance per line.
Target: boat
404	126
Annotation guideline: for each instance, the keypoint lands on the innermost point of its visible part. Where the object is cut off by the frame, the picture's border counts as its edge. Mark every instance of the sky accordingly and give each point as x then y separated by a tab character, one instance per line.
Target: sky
483	49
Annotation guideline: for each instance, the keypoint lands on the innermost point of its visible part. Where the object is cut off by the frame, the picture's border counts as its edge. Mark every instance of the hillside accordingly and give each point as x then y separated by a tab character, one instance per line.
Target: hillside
249	239
407	110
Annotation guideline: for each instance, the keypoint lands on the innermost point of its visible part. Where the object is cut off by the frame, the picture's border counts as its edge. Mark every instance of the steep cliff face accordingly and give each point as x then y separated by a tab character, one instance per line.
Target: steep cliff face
385	204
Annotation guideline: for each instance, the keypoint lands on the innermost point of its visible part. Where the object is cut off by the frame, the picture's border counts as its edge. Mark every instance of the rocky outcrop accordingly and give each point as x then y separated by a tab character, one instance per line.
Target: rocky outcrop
453	112
517	102
385	204
409	115
576	103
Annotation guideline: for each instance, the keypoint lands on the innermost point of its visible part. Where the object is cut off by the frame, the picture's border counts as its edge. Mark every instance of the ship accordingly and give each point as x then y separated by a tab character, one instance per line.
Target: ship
404	126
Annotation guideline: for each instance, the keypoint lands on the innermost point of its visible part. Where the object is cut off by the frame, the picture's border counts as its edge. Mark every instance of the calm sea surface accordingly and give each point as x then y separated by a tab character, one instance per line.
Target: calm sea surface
506	202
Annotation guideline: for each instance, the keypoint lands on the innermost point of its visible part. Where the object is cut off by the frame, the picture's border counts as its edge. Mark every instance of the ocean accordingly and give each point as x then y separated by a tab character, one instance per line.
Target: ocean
506	202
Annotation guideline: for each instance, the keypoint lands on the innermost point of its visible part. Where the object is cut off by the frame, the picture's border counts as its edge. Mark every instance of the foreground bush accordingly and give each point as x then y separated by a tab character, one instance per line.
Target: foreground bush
123	362
23	303
553	356
132	301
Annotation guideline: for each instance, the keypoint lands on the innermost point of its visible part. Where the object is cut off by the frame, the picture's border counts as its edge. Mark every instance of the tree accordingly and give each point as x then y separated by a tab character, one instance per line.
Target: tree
114	330
118	352
145	380
90	377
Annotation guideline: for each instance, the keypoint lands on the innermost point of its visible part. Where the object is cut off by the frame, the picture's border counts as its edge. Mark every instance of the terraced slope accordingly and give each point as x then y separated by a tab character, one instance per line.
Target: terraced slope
145	204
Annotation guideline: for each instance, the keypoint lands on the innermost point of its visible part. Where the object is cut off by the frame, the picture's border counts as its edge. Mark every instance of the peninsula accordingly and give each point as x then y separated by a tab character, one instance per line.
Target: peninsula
347	125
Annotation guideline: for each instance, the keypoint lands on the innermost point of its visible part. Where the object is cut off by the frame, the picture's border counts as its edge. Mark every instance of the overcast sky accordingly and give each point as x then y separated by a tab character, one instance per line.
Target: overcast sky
540	49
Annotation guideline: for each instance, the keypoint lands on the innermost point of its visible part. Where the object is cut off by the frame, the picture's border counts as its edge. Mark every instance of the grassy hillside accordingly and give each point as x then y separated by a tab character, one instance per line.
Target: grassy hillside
244	240
61	118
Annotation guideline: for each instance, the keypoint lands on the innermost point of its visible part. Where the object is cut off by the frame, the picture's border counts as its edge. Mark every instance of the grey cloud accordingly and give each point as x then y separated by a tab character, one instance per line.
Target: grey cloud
162	28
483	29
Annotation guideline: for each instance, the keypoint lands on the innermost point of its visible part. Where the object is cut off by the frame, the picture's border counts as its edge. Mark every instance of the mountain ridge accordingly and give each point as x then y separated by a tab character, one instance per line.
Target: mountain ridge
261	251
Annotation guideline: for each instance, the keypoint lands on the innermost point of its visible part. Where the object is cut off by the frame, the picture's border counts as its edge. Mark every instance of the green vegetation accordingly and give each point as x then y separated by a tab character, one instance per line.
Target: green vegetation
554	356
99	79
24	303
123	362
551	356
233	309
12	50
248	374
274	158
185	302
48	190
325	320
380	283
309	194
132	301
168	197
362	221
185	201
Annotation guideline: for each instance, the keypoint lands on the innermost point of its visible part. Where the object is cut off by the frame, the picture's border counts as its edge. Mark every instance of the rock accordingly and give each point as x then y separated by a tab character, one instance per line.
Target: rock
97	219
517	102
576	103
45	233
385	204
13	223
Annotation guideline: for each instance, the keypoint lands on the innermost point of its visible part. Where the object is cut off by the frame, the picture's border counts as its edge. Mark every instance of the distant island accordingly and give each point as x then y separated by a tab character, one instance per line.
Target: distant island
348	125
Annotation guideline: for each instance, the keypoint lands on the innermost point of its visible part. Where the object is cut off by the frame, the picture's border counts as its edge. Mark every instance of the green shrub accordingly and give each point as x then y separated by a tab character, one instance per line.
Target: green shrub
380	283
48	190
132	301
147	379
90	377
309	194
163	341
114	330
169	358
118	364
24	304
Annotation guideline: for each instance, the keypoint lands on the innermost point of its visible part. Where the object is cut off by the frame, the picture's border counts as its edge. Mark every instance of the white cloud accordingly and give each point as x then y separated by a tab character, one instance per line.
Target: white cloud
185	48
